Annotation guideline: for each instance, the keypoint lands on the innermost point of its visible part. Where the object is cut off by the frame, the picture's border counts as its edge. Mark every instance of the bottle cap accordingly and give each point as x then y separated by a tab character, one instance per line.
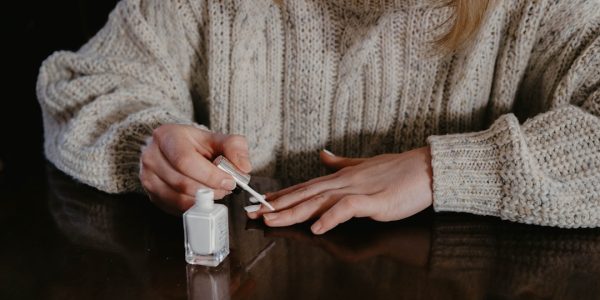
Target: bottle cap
205	198
224	164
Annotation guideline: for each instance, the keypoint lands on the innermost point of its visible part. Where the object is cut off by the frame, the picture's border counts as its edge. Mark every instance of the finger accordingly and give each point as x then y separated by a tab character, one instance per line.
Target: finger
164	197
275	195
301	194
235	148
338	162
349	206
159	165
303	211
188	162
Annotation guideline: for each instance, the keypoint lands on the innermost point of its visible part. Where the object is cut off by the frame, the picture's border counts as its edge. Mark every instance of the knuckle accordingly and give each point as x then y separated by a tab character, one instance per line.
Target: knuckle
352	176
293	214
304	191
158	132
181	184
143	167
329	218
181	202
349	203
180	162
213	177
146	155
295	196
322	197
335	214
345	174
143	176
146	183
146	162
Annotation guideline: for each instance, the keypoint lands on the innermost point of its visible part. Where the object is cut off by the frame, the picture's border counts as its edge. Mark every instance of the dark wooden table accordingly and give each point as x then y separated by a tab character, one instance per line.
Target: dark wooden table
64	240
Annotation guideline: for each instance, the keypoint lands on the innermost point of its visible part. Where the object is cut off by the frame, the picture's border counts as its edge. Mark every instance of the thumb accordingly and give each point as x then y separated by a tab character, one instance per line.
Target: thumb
338	162
235	148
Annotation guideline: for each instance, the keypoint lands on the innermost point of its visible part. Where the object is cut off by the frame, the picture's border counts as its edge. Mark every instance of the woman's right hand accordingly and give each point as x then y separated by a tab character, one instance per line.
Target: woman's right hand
178	161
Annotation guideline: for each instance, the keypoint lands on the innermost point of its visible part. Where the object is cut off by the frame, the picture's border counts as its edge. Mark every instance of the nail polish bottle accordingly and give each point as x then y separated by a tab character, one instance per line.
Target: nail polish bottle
206	230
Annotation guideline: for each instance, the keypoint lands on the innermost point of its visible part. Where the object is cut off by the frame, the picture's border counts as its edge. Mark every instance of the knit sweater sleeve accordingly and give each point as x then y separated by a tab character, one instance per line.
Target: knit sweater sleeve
99	104
545	171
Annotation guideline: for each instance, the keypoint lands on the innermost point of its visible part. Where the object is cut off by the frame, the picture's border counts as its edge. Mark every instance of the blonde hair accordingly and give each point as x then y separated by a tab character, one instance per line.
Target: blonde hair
466	20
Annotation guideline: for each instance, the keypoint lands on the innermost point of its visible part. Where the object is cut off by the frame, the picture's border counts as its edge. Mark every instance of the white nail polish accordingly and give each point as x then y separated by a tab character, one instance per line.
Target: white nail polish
206	230
252	208
328	152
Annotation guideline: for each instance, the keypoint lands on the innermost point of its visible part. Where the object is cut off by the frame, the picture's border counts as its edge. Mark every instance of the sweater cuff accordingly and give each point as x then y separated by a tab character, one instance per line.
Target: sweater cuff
468	168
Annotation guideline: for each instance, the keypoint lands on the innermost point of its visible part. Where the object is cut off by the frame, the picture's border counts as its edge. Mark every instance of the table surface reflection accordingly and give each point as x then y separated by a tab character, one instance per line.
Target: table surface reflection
69	241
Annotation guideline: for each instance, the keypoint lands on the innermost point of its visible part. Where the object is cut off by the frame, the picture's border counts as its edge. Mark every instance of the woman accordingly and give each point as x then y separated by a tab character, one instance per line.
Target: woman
426	93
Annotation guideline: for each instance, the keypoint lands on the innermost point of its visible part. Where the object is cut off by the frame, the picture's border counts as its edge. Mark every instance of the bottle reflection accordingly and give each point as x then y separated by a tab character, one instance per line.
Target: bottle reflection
209	283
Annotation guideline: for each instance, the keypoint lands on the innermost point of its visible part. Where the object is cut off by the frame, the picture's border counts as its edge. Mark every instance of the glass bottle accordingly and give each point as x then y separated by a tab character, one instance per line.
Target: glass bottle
206	230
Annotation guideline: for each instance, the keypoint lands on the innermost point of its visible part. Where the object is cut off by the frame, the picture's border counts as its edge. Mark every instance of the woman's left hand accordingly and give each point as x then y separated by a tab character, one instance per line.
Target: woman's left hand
385	187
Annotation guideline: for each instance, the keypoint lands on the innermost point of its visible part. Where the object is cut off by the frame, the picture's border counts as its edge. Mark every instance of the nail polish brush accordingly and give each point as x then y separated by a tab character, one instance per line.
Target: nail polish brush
240	178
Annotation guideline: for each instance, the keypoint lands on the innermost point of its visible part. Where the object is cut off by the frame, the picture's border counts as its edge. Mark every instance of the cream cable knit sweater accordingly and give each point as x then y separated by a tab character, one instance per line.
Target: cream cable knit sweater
358	77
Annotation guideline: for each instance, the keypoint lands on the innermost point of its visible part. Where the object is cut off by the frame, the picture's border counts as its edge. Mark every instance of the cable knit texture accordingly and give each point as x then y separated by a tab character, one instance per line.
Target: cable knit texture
512	120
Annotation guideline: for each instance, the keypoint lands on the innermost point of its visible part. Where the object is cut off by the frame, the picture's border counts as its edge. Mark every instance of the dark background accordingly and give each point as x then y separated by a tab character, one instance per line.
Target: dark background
35	30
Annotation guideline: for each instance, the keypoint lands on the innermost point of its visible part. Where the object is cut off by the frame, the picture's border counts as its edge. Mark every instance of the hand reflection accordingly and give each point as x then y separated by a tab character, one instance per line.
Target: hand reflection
407	242
461	256
111	241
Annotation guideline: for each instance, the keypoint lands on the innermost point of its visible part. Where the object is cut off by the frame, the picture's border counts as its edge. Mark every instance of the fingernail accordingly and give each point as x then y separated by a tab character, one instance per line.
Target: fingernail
270	217
228	184
247	167
328	152
244	162
252	208
316	228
